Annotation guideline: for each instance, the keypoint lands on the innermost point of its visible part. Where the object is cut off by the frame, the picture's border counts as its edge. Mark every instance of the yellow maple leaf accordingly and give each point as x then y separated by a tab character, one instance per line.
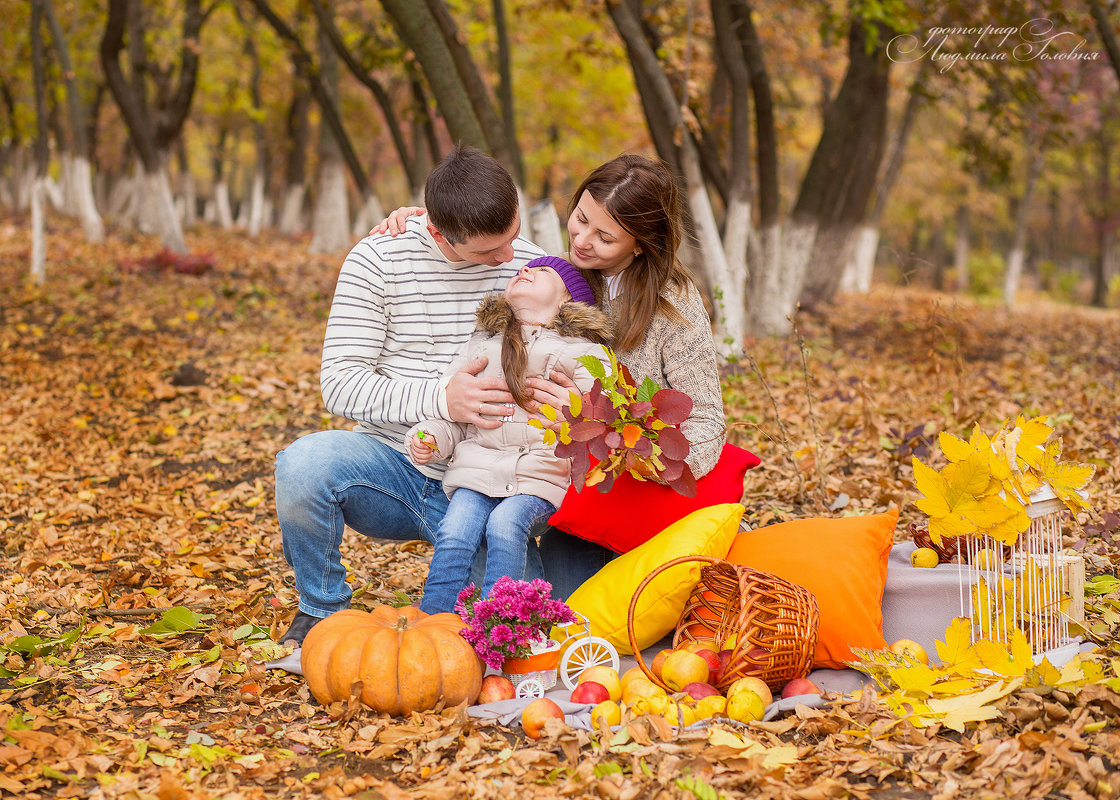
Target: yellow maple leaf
970	475
957	712
955	449
941	503
956	651
917	679
1033	436
1016	660
954	686
1066	479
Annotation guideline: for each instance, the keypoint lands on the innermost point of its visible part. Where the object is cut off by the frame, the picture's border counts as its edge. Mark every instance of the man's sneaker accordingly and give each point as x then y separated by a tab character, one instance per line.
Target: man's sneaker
297	632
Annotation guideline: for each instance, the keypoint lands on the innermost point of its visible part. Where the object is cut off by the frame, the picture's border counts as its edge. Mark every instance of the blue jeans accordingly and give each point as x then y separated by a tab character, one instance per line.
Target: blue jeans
568	560
328	480
471	516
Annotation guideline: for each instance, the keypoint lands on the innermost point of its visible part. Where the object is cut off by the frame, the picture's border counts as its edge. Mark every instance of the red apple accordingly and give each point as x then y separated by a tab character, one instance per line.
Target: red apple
659	661
715	666
536	714
496	687
724	663
799	686
590	692
756	660
698	691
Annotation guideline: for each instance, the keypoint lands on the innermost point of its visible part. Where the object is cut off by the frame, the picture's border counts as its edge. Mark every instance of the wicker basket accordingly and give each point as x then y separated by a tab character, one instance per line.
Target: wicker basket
775	621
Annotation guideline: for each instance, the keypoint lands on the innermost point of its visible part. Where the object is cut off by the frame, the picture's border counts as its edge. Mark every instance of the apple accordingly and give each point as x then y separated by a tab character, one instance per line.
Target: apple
536	714
756	685
745	706
682	668
724	663
715	666
603	675
700	644
659	662
798	687
590	692
698	691
756	660
910	648
495	688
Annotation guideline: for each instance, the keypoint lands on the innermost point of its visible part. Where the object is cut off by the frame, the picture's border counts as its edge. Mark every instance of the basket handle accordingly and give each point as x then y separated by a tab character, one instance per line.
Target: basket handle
634	604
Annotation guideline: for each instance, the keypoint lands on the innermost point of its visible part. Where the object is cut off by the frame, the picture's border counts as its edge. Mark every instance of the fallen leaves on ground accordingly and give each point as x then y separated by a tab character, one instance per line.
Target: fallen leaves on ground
143	579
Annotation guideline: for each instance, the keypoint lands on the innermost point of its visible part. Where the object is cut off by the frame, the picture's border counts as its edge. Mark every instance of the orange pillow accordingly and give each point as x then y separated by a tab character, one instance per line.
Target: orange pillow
841	561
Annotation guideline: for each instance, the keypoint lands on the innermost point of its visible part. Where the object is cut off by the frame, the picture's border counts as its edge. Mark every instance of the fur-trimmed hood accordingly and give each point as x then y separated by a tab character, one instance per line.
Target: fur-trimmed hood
576	320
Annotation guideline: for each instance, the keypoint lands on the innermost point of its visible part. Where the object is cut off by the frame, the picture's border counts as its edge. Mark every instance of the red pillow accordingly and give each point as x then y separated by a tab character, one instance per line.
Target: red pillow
634	511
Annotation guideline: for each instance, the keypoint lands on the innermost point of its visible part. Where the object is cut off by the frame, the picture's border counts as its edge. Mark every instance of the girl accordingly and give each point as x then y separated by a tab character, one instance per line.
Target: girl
502	481
624	230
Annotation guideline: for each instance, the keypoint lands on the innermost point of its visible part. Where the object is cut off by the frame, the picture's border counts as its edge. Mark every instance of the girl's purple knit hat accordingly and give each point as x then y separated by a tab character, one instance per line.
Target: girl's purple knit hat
576	284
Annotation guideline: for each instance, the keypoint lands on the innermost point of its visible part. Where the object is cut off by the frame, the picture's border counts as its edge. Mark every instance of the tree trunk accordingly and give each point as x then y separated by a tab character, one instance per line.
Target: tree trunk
505	90
152	132
841	174
545	228
960	250
1017	255
737	222
295	174
364	76
861	268
415	25
324	96
42	152
188	194
157	210
79	189
330	224
1107	34
766	137
260	170
475	88
728	288
1105	238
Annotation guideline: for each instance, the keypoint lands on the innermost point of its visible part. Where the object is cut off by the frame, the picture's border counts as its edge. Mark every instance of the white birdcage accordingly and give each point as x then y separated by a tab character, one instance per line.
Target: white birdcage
1033	585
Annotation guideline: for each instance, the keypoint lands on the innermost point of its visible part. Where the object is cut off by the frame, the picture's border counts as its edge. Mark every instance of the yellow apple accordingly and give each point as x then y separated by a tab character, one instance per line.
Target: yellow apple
756	685
605	714
606	676
910	648
745	706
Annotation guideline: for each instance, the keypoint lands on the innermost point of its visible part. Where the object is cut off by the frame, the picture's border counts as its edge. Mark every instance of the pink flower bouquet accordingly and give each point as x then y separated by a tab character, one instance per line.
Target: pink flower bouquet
515	616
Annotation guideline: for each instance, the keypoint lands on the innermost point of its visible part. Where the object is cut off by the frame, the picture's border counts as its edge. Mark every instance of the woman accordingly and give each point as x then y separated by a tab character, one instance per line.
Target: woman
624	230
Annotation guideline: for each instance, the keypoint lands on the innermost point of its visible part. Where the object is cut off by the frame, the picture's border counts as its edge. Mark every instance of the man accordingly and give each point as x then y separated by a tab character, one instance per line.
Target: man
402	308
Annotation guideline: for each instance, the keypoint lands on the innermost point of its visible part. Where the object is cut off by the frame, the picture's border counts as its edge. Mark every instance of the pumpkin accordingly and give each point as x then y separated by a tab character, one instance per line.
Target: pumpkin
406	660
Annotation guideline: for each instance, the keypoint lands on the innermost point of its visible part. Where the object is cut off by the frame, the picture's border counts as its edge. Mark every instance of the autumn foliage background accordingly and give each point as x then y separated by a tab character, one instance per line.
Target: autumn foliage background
142	408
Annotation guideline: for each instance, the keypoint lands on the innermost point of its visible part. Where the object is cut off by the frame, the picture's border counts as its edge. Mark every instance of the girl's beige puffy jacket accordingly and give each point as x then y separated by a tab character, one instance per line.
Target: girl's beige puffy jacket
513	459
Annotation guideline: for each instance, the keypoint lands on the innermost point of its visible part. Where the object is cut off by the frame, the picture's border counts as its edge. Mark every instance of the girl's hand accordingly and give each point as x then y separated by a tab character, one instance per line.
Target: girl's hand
395	222
422	450
554	393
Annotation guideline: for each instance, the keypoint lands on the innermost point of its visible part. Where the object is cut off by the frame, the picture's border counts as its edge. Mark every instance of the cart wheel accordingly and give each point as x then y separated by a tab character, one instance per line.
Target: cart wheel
591	651
530	687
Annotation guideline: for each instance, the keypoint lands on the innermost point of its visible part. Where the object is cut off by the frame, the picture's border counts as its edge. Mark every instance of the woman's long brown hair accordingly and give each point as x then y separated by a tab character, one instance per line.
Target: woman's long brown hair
642	196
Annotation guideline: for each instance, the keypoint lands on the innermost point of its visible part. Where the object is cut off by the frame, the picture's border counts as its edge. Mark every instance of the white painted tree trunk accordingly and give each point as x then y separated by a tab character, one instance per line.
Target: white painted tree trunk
188	199
960	251
330	225
291	211
1012	275
124	198
157	214
38	231
736	237
544	227
84	205
783	260
368	215
22	177
256	204
223	213
66	182
861	266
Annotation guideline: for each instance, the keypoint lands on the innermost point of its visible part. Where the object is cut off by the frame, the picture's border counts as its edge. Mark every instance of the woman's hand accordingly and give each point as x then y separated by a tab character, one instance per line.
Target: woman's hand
422	450
470	397
395	222
555	393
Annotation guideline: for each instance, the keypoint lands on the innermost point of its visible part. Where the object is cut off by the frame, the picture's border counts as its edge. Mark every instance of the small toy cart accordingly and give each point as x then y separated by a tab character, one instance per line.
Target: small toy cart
579	650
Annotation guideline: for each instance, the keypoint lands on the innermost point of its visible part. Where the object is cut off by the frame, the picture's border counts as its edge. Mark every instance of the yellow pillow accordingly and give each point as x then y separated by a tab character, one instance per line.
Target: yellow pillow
604	598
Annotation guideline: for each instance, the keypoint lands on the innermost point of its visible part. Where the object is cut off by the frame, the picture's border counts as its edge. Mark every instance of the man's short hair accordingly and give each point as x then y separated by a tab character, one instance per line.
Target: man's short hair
470	194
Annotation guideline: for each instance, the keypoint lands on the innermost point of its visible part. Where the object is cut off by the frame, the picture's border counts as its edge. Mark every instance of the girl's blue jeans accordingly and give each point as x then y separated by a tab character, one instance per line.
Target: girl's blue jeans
329	480
472	518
